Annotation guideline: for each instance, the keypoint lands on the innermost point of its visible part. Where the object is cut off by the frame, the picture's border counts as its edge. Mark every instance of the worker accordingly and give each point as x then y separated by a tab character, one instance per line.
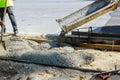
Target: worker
10	14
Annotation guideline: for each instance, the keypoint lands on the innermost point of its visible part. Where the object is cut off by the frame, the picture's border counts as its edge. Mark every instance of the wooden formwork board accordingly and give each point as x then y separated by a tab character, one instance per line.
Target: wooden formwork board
92	40
95	43
98	46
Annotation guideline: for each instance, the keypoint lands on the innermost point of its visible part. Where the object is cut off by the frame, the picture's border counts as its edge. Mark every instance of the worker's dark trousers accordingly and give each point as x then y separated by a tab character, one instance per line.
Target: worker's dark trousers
11	16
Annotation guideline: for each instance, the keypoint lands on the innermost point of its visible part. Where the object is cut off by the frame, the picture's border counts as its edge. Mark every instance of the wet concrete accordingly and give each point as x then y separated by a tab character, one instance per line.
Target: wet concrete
46	53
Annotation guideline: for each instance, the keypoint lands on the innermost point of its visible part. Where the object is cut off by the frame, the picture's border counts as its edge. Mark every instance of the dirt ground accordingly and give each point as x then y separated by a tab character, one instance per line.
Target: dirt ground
23	48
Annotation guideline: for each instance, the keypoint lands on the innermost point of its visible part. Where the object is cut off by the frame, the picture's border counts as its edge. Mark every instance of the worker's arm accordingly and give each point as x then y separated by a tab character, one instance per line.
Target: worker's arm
2	23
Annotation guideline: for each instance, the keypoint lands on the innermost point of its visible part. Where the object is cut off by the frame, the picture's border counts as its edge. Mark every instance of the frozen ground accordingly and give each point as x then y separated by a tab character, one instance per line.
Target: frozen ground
39	16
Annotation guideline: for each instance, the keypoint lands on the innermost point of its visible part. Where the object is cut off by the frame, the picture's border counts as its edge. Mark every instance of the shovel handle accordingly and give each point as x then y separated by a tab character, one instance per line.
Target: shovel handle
4	13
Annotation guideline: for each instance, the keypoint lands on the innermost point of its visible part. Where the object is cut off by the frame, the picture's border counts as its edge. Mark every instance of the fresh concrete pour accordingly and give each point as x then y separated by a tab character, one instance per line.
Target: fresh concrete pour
46	53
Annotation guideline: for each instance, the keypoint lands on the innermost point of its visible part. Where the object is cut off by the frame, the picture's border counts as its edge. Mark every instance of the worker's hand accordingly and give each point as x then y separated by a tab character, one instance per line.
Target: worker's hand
2	23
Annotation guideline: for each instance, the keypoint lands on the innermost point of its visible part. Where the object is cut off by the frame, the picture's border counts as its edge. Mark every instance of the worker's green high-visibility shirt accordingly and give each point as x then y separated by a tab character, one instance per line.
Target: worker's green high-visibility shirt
2	3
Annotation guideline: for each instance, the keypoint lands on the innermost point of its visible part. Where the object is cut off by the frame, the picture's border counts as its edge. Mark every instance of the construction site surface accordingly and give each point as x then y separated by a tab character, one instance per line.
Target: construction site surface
38	57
